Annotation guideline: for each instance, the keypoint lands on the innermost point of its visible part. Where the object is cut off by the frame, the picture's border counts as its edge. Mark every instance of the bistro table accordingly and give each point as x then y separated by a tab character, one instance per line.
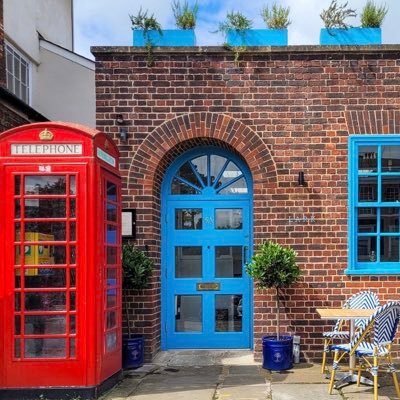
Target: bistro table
349	314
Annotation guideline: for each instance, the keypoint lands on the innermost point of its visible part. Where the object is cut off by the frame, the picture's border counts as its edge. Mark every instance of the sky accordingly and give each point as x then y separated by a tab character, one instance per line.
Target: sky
107	23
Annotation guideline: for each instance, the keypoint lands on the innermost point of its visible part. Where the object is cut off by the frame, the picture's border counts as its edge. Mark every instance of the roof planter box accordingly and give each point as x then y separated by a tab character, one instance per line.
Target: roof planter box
169	37
257	37
351	36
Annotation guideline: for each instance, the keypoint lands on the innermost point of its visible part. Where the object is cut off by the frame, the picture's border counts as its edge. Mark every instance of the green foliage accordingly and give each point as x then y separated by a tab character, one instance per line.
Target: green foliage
137	268
146	23
372	16
185	17
142	21
235	21
335	15
274	266
277	17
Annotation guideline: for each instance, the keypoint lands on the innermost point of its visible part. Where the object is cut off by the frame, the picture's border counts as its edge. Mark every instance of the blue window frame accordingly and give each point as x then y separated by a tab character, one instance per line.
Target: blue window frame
374	205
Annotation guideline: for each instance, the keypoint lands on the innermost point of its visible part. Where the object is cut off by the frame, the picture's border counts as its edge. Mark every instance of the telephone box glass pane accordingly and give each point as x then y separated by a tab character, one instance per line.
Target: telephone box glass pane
17	302
45	324
72	346
72	208
72	324
44	254
17	324
72	185
111	212
45	231
45	348
72	256
111	319
111	234
72	231
111	341
52	184
111	255
17	208
111	191
45	208
45	277
17	349
17	182
72	301
72	277
45	301
111	297
17	254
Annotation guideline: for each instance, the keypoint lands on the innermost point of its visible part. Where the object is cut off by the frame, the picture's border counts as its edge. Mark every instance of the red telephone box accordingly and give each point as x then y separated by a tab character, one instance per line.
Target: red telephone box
60	261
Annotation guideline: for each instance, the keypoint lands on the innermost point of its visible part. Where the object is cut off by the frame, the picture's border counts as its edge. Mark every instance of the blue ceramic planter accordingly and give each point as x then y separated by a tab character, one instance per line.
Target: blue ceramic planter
277	354
357	36
169	37
258	37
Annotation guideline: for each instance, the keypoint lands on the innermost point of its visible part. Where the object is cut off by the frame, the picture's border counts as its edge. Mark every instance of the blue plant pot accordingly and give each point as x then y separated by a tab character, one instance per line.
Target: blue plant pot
357	36
169	37
257	37
132	351
277	354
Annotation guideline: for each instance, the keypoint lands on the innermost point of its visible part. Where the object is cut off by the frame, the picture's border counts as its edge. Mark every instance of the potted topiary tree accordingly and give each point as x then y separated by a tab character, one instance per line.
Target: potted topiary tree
274	266
137	269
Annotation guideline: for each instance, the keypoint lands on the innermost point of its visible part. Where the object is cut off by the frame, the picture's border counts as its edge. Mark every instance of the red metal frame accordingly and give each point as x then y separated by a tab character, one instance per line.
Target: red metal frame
63	341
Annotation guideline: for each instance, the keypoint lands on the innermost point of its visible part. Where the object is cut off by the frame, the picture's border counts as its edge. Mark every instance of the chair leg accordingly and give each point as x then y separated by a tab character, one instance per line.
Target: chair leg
375	370
359	375
396	384
333	372
324	356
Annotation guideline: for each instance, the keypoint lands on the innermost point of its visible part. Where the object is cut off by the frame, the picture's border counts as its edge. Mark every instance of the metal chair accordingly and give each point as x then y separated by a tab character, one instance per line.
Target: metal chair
364	300
372	351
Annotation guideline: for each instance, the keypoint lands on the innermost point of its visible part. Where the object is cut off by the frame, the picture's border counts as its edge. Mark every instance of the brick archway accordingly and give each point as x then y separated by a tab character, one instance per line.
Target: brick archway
148	166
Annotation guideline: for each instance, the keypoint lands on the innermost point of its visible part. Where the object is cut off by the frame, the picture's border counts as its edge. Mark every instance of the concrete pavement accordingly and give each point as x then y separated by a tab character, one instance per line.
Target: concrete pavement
231	375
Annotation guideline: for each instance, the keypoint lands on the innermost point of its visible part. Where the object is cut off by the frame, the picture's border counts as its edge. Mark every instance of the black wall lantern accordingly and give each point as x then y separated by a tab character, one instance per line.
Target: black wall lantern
123	132
300	179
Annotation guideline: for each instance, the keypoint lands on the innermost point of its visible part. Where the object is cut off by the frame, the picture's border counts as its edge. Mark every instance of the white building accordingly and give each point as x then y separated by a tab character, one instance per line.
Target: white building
41	67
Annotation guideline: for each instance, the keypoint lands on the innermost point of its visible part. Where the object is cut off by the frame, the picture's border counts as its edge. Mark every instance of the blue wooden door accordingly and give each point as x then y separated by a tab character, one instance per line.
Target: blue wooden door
206	240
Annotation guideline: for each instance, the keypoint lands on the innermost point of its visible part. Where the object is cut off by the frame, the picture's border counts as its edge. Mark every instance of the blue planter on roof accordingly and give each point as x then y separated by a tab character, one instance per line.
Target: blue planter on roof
351	36
169	37
257	37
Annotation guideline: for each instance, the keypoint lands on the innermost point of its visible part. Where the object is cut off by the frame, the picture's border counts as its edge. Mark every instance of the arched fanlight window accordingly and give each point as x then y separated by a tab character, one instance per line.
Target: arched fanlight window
209	173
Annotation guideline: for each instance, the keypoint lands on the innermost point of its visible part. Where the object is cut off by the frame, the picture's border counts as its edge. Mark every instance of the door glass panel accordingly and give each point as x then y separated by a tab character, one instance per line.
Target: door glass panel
44	348
390	249
367	189
216	164
391	188
53	184
188	261
200	164
390	219
188	314
238	187
188	218
185	172
390	158
230	218
231	172
367	219
228	261
45	208
179	187
228	313
367	249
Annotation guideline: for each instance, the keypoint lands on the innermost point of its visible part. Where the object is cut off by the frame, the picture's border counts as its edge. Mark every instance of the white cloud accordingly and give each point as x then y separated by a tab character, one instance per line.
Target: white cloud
106	23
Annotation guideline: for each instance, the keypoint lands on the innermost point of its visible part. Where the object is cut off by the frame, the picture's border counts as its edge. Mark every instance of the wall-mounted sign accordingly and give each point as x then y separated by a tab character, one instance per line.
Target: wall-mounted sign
50	149
105	157
128	223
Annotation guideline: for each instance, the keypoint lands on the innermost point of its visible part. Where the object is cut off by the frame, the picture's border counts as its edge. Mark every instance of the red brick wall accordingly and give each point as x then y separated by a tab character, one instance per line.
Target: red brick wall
283	111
